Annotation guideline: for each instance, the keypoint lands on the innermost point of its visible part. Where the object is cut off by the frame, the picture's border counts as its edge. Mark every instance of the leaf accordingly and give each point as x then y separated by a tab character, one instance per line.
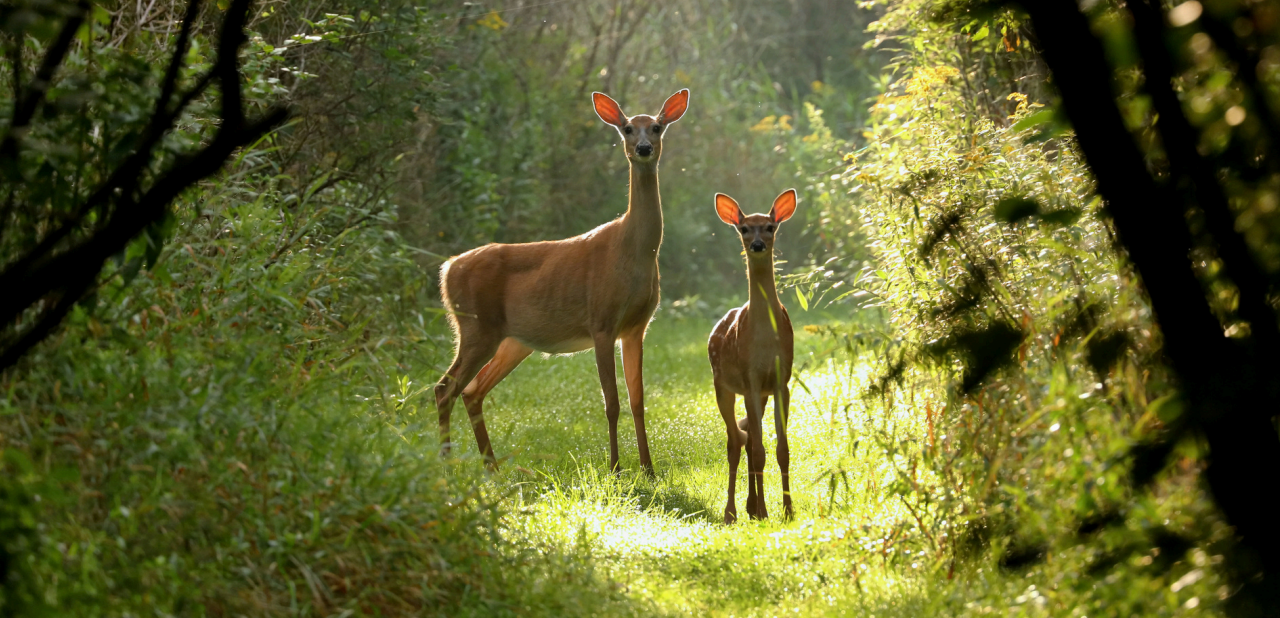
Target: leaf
804	302
984	350
1015	209
1149	458
981	34
1062	216
1034	120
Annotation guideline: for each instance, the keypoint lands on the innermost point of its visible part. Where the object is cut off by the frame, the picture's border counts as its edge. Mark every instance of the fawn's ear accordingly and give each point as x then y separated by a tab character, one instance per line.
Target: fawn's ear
607	109
784	206
675	107
728	209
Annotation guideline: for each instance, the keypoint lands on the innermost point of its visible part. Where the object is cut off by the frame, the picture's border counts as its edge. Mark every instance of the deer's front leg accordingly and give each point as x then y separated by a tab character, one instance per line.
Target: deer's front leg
609	385
755	454
633	372
781	410
736	439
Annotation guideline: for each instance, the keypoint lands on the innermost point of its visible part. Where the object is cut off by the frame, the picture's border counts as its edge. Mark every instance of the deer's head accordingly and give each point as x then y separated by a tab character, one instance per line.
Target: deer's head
757	230
641	134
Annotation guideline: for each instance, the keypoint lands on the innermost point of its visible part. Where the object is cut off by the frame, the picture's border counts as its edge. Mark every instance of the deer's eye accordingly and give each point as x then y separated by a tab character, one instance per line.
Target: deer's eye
657	128
770	229
627	129
744	229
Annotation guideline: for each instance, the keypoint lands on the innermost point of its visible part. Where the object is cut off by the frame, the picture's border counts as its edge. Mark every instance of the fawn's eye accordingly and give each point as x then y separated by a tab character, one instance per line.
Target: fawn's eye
627	129
657	128
744	229
769	229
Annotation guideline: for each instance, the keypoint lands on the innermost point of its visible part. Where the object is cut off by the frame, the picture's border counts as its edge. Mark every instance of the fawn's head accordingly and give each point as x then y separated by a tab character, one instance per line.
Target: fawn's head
641	134
757	230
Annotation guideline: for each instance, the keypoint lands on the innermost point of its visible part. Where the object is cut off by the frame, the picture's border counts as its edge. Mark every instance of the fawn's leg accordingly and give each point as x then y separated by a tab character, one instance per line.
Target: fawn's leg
737	438
609	385
781	410
744	425
755	458
510	354
474	349
633	372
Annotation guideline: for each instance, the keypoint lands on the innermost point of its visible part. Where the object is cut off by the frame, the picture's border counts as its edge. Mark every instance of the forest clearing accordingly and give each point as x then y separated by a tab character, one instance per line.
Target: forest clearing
251	253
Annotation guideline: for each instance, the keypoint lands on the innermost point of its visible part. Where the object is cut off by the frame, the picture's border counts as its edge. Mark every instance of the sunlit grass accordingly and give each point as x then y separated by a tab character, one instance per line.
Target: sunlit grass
662	538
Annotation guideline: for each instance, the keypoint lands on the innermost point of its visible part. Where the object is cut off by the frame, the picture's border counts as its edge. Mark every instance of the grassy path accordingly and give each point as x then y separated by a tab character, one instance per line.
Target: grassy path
661	541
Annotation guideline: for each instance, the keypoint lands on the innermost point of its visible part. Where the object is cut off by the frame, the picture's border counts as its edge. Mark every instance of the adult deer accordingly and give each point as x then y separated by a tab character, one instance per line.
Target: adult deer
563	296
750	351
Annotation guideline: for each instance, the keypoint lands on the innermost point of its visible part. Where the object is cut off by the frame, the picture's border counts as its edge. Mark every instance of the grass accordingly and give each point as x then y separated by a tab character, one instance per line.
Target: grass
663	537
263	443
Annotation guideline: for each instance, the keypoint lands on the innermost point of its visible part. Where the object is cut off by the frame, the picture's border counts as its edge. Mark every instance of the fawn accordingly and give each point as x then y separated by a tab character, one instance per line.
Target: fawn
750	351
563	296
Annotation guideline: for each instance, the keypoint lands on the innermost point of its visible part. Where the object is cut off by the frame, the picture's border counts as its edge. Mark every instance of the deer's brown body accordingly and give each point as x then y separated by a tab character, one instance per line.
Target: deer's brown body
562	296
750	350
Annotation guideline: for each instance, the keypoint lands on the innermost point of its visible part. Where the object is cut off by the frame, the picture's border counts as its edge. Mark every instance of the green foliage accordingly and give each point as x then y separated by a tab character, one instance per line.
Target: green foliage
236	416
1021	338
516	154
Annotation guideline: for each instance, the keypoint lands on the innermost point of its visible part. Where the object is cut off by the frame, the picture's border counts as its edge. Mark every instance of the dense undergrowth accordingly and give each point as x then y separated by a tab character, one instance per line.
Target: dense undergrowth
221	437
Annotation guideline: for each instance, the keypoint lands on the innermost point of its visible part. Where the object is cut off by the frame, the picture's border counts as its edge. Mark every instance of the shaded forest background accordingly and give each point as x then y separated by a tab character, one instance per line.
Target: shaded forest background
1035	257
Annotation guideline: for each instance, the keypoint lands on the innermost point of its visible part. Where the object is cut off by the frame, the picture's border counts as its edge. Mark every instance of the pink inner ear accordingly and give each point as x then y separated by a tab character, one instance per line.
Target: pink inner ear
784	206
608	109
675	106
728	209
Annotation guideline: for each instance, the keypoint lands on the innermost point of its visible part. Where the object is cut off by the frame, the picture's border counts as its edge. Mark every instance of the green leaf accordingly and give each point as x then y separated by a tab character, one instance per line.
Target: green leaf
804	302
1033	120
1015	209
982	33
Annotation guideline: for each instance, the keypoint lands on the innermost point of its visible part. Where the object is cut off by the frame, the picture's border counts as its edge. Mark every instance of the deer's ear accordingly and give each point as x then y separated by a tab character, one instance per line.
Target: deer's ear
607	109
675	107
784	206
728	209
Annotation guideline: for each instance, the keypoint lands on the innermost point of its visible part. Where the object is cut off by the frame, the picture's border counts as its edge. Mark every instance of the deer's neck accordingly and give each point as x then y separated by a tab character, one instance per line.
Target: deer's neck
763	300
643	221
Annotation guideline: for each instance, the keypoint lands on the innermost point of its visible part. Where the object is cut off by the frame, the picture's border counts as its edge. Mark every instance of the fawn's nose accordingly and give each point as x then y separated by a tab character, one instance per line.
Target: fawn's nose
644	150
757	246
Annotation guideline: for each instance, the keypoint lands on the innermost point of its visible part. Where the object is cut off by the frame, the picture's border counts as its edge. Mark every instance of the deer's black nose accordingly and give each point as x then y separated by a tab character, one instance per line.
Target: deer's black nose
644	150
757	246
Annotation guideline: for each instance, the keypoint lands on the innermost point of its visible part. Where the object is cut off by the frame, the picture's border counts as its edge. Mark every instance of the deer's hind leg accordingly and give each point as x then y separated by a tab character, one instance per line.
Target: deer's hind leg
604	343
737	439
509	355
633	372
475	348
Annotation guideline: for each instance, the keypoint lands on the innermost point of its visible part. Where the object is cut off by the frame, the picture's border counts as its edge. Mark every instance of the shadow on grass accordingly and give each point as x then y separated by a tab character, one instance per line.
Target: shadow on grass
589	482
678	501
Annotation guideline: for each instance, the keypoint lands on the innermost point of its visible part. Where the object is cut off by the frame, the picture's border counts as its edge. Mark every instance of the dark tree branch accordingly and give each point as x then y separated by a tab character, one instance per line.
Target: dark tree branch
227	69
1224	397
1247	71
1180	141
25	106
45	273
48	321
123	181
170	82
